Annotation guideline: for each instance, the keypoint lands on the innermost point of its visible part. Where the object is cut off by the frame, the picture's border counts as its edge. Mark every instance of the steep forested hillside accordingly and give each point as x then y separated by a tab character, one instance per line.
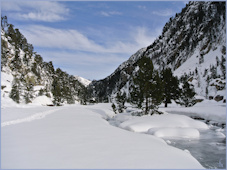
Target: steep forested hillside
25	76
192	45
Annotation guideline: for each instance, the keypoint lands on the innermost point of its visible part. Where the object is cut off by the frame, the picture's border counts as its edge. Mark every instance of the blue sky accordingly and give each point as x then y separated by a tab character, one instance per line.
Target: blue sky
89	39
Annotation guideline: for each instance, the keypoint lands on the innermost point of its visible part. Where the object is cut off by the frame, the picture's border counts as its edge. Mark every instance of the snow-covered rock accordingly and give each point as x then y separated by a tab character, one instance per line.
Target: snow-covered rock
144	123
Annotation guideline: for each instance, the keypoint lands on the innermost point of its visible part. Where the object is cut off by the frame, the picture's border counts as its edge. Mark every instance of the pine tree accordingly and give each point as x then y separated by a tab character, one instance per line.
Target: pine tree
170	85
146	92
15	91
4	22
4	51
16	62
28	93
83	95
121	99
56	91
223	67
187	95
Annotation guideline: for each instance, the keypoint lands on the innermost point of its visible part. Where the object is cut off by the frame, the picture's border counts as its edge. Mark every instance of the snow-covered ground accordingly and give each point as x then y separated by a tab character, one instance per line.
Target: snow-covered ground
80	137
208	109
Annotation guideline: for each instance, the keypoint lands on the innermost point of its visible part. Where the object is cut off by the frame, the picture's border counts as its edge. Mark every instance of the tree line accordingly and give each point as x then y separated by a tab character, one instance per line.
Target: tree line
29	70
150	88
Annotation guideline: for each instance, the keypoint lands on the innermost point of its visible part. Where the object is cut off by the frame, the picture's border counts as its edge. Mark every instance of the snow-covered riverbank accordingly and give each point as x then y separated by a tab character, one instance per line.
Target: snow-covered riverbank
80	137
204	139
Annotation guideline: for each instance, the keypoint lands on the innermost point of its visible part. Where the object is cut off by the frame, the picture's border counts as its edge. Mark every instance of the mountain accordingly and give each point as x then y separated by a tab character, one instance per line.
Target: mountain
26	78
192	45
83	81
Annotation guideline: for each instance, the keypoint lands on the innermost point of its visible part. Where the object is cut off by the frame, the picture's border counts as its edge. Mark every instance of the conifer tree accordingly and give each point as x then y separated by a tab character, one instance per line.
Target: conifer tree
4	51
223	66
15	91
56	91
146	92
170	85
28	93
83	95
121	99
187	95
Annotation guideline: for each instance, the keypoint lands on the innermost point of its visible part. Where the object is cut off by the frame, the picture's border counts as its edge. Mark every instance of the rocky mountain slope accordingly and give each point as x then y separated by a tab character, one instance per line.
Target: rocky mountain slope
26	77
192	44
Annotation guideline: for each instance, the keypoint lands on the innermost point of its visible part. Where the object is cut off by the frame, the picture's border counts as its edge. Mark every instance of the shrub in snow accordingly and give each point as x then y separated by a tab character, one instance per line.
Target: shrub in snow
114	108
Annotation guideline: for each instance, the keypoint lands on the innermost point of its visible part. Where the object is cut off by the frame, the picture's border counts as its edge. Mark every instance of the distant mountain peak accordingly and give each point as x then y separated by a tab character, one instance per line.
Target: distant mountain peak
82	80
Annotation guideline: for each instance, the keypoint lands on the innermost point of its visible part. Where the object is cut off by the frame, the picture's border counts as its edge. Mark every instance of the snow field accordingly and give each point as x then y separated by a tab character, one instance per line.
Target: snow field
78	137
208	109
28	119
43	100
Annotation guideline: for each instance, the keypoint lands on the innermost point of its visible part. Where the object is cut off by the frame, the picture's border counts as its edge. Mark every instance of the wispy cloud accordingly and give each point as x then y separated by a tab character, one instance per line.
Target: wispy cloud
48	11
71	49
142	7
165	12
72	39
110	13
43	36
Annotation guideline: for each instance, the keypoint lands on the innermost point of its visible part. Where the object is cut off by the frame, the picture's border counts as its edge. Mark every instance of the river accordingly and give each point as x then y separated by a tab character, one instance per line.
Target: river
209	149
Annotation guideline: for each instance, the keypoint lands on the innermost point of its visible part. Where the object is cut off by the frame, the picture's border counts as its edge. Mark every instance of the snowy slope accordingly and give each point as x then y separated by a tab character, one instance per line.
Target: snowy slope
192	44
78	137
82	80
26	78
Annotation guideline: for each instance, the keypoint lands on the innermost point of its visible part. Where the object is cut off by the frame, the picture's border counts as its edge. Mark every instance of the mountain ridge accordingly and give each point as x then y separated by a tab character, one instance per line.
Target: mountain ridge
25	76
197	32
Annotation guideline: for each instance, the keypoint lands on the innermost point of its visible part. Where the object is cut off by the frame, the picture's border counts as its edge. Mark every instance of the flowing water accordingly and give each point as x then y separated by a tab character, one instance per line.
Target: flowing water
209	149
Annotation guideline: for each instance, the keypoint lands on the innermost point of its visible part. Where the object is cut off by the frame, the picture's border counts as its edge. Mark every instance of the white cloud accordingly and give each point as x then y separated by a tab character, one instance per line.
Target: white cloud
48	11
142	7
144	37
71	39
165	12
71	49
43	36
110	13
